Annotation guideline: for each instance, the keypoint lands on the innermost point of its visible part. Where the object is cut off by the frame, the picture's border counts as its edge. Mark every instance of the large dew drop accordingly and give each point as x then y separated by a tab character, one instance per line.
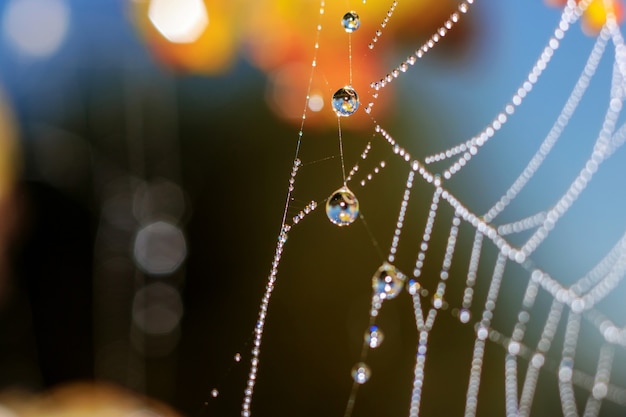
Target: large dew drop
388	281
361	373
350	22
342	207
345	101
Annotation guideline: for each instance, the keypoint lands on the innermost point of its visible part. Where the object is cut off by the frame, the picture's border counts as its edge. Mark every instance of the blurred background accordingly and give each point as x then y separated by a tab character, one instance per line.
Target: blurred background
145	149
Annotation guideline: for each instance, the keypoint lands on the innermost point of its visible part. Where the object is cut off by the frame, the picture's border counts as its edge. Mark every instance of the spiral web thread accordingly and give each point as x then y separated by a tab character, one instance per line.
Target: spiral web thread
571	305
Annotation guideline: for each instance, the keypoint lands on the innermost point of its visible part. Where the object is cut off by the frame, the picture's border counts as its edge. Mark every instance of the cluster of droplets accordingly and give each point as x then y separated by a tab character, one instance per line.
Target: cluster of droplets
467	150
306	210
375	171
342	209
439	34
374	337
294	172
361	373
364	155
383	24
387	283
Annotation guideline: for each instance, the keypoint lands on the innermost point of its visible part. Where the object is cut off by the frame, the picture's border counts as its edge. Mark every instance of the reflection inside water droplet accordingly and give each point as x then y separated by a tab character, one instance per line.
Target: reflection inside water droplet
342	207
350	21
345	101
388	281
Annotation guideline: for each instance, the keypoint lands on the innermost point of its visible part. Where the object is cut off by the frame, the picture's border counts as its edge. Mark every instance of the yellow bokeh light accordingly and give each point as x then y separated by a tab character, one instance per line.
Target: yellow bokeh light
179	21
207	48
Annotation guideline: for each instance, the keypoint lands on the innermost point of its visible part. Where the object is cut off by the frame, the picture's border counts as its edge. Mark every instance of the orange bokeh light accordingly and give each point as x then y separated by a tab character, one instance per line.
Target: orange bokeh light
211	52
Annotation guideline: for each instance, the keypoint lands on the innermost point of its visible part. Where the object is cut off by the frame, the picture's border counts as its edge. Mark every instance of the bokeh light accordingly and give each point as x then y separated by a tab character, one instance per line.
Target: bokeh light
160	248
157	309
180	21
195	36
36	28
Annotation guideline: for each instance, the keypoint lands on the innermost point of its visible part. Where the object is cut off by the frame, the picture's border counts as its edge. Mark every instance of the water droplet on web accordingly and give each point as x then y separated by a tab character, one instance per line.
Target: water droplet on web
214	393
437	301
464	315
374	337
388	281
342	207
350	21
237	357
413	286
361	373
345	101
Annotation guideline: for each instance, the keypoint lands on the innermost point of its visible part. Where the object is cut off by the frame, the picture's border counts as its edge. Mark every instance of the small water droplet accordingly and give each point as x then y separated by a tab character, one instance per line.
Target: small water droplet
374	337
345	101
464	315
361	373
437	300
350	21
371	46
237	357
413	286
214	393
388	281
342	207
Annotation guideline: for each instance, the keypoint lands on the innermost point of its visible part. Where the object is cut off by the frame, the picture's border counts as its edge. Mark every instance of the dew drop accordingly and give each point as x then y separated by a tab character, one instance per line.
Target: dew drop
388	281
437	301
374	337
237	357
214	393
350	21
345	101
413	286
342	207
361	373
464	315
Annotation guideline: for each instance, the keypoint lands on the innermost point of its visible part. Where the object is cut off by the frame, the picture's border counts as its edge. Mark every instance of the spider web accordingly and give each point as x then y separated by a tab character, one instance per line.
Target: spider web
499	307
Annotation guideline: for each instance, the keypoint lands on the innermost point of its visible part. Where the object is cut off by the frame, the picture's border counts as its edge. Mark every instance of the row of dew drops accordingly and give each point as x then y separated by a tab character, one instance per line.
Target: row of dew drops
342	209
